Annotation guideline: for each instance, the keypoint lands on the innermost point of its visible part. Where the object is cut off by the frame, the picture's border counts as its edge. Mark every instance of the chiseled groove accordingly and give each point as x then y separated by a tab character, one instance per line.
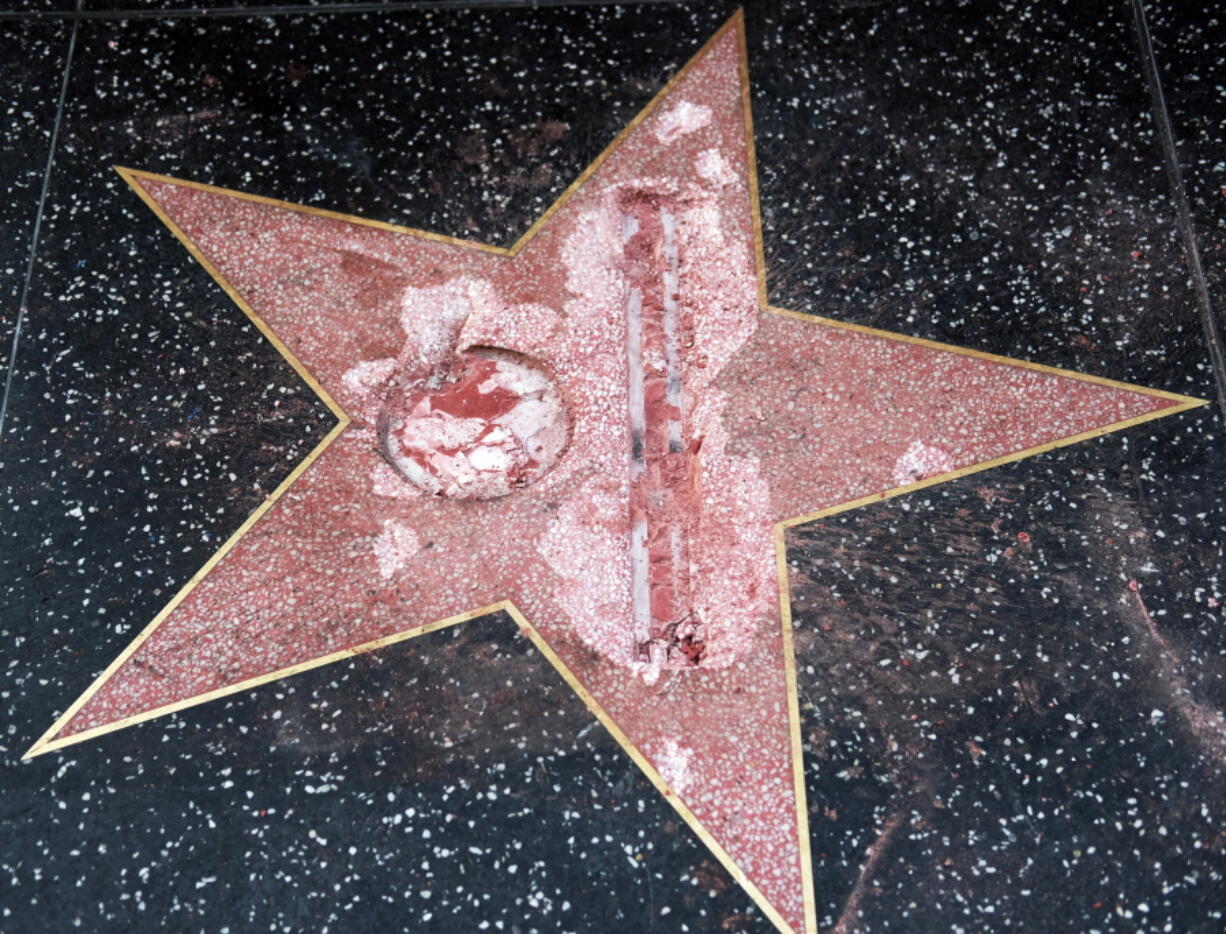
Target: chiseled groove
658	461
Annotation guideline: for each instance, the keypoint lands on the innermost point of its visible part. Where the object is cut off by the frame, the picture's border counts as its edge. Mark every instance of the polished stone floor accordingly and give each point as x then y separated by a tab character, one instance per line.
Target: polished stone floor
1011	684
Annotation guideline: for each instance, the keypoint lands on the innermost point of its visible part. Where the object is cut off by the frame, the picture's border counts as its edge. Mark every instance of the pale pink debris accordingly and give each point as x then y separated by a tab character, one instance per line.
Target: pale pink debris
672	761
394	546
732	548
684	117
453	419
366	376
713	168
921	461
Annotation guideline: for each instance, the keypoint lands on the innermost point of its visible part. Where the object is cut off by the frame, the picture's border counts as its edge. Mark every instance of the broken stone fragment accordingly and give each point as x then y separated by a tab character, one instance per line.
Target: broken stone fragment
494	423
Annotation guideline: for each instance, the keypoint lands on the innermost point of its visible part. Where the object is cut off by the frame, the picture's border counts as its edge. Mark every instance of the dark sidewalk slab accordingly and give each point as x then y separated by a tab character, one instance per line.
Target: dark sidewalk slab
32	71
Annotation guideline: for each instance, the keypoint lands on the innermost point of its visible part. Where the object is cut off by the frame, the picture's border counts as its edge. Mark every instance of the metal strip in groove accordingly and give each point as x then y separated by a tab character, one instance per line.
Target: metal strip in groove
1187	230
37	228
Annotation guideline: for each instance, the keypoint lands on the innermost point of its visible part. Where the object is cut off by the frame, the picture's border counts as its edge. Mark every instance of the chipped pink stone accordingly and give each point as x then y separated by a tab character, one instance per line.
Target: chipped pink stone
684	117
492	424
921	461
395	547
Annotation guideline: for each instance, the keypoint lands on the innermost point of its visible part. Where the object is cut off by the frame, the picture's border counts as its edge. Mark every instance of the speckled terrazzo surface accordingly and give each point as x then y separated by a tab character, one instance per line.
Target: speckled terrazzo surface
1188	40
1011	684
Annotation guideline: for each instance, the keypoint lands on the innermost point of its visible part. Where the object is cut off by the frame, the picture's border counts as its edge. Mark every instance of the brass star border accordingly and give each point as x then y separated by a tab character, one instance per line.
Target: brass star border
47	743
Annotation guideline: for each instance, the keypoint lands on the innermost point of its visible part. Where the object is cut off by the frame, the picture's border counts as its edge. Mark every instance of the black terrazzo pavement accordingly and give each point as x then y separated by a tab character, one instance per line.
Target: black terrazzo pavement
1012	684
1189	42
32	79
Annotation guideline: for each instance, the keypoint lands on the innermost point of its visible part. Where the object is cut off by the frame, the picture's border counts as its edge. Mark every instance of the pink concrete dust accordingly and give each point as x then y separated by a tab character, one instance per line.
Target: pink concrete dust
920	461
744	418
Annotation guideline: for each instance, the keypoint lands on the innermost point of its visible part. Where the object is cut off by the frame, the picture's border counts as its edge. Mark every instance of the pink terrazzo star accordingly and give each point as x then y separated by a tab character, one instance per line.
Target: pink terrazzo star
604	430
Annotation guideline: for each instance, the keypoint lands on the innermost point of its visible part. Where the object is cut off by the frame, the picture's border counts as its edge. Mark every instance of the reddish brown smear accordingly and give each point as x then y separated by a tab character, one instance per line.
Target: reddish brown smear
662	494
461	397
